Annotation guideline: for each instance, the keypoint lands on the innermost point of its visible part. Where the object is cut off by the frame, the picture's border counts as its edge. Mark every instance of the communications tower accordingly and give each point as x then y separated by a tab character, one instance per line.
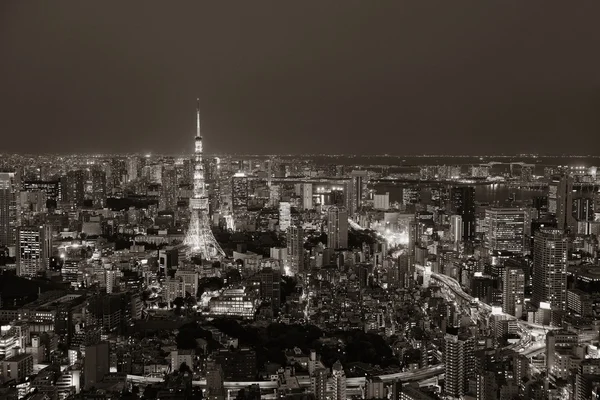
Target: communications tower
199	238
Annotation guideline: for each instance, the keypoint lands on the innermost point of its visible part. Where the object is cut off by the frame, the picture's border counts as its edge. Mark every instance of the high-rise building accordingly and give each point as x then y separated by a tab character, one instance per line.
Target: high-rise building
52	189
413	241
339	381
133	168
295	249
570	202
558	340
381	201
17	368
169	187
513	290
105	311
359	186
587	381
96	364
270	287
274	195
237	364
34	246
559	192
462	202
74	190
460	362
214	381
239	192
8	209
98	187
410	195
318	384
505	229
550	269
456	228
307	196
285	215
337	228
375	389
183	284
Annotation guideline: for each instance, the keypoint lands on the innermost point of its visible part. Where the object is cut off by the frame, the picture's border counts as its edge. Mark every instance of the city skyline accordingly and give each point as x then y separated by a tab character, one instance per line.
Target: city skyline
380	79
380	200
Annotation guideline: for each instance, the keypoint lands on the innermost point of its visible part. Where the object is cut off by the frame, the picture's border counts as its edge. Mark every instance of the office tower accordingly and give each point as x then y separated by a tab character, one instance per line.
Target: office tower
375	389
169	187
238	365
133	168
168	258
8	209
190	281
285	215
187	172
404	271
98	187
486	385
381	201
413	241
110	277
105	311
307	196
587	381
462	202
583	210
17	368
410	196
505	229
199	238
359	186
570	202
558	340
295	250
274	195
550	269
460	363
118	173
456	228
96	364
318	384
270	287
75	187
239	192
214	381
52	189
337	228
559	196
527	172
34	246
396	389
513	290
349	196
339	381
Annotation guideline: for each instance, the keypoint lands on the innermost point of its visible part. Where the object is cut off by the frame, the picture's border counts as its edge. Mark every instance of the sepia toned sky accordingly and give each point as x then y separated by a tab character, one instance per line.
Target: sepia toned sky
338	76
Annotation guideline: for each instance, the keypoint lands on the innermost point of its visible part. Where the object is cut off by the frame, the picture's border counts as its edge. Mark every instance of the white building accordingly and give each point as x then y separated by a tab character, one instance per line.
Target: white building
285	215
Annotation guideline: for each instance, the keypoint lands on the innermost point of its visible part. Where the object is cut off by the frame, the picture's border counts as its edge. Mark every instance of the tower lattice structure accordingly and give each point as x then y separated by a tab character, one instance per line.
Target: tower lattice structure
199	238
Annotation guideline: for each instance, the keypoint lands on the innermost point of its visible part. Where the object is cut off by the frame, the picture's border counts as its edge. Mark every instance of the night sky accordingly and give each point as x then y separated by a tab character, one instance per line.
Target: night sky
333	76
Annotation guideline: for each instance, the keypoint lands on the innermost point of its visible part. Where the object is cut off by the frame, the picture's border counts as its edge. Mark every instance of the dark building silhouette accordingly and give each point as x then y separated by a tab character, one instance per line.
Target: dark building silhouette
462	202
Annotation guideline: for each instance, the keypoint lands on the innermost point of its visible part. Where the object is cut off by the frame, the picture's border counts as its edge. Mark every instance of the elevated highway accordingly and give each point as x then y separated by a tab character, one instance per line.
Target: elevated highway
529	330
423	374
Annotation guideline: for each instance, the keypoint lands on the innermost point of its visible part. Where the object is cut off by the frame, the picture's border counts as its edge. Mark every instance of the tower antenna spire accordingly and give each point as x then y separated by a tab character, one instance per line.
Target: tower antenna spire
198	117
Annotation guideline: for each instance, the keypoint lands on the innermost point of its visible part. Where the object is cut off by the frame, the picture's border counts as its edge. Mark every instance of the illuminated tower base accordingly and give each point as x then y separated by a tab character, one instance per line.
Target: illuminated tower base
200	239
